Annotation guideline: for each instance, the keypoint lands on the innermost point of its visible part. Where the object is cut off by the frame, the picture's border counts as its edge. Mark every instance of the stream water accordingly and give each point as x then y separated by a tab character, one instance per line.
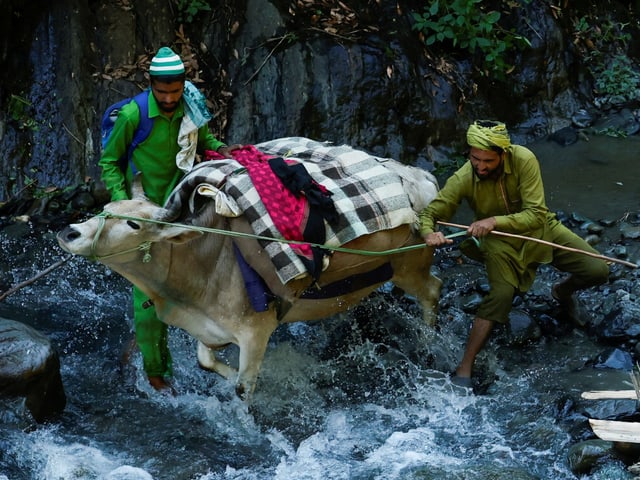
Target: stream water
335	400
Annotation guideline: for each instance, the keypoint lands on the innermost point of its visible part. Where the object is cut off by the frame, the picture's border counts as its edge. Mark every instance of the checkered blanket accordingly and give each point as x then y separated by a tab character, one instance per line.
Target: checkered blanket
368	196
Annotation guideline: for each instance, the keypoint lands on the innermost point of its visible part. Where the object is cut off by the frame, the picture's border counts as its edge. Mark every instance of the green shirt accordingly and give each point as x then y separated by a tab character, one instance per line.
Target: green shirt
155	157
515	199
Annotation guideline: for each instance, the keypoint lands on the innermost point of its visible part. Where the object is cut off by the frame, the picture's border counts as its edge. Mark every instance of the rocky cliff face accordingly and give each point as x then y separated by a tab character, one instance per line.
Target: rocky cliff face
358	75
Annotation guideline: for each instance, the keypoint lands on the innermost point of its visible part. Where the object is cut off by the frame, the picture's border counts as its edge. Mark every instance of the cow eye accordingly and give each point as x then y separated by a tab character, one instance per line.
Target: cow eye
133	225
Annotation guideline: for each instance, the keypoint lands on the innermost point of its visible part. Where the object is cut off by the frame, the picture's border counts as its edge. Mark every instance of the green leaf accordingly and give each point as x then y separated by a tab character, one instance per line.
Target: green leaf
492	17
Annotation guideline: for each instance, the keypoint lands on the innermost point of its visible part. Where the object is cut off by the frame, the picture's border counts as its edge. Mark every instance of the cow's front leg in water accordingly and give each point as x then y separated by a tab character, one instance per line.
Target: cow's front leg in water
253	341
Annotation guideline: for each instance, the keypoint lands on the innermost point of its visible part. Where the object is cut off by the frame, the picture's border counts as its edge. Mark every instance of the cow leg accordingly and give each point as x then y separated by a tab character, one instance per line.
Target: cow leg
253	345
415	278
207	360
428	297
427	292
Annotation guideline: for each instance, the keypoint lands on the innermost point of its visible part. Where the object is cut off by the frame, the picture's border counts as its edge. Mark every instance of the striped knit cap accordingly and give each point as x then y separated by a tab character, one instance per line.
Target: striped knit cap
166	62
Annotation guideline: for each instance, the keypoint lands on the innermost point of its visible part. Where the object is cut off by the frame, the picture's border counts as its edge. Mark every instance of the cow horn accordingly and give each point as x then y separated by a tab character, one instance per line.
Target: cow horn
167	215
136	187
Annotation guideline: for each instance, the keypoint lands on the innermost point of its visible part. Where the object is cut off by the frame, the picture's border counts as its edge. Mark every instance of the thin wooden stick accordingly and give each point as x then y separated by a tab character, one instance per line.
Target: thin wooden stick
551	244
616	431
610	395
33	279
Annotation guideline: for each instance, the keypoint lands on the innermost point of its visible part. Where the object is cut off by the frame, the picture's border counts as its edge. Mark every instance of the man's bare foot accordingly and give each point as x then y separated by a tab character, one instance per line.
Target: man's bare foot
161	385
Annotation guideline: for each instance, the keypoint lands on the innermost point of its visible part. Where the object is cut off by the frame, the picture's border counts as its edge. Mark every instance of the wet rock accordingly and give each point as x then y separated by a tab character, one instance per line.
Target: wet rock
595	228
616	359
630	231
585	455
472	302
565	136
29	367
620	123
582	118
620	251
593	239
629	451
607	222
610	409
83	201
522	328
578	219
549	325
562	216
620	324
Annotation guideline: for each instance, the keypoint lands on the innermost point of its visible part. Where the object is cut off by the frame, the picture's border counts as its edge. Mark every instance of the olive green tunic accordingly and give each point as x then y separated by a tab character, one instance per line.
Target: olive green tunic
516	200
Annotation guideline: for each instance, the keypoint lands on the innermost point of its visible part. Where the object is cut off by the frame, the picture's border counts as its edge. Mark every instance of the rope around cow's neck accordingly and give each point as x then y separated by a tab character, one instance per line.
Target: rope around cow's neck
144	246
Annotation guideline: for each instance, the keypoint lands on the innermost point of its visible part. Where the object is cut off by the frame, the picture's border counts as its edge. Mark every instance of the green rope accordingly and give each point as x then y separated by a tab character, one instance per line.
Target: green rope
281	240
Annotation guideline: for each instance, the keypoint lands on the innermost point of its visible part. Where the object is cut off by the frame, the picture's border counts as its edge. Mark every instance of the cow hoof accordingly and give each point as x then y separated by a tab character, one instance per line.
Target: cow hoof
160	384
244	391
240	391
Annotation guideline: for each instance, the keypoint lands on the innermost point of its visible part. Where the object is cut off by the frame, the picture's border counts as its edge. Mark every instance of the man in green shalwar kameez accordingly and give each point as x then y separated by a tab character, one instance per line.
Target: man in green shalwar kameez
162	161
503	186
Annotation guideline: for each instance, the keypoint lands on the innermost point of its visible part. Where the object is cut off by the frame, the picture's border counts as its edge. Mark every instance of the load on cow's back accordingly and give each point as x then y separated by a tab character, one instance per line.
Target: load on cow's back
285	231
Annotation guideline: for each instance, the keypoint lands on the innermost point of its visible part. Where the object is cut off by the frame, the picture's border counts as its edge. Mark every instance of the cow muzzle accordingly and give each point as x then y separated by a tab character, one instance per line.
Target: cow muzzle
66	237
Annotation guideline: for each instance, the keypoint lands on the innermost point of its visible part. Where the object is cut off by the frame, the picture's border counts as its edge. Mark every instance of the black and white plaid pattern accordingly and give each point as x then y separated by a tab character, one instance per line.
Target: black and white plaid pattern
368	196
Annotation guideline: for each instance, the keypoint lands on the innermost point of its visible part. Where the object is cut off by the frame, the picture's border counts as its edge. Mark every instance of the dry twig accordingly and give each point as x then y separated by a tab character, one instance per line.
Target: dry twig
46	271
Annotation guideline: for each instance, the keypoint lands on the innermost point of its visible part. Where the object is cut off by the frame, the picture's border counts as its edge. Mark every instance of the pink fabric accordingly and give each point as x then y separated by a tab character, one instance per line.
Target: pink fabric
289	214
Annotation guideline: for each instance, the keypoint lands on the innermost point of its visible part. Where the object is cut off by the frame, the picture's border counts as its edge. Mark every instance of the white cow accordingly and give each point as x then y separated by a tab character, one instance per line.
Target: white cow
195	283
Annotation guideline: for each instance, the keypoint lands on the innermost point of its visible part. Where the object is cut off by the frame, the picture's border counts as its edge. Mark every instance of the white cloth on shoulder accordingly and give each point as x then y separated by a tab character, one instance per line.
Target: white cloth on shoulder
196	115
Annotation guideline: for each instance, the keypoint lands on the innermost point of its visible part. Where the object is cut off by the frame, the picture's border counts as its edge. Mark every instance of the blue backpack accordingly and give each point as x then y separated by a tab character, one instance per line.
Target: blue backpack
142	132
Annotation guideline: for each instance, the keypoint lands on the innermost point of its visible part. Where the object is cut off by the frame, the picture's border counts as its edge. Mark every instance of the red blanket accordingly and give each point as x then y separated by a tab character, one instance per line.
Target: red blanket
288	211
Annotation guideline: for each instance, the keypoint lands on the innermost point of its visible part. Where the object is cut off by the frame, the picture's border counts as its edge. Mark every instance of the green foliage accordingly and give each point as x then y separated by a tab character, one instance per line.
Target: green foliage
619	79
445	170
19	109
596	34
189	9
612	132
602	43
467	26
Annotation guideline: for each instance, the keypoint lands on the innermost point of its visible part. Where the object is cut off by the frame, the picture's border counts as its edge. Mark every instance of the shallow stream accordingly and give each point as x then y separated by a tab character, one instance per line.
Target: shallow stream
336	399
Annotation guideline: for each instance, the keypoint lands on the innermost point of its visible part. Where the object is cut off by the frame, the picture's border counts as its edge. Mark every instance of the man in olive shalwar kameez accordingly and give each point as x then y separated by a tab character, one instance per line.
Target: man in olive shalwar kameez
503	186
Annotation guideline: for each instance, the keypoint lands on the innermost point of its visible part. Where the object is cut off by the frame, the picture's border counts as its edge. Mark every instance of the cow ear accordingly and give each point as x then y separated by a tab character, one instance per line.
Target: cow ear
180	235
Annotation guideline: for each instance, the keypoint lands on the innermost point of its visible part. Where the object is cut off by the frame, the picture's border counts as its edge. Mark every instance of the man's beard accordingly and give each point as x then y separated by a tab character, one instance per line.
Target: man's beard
491	174
168	108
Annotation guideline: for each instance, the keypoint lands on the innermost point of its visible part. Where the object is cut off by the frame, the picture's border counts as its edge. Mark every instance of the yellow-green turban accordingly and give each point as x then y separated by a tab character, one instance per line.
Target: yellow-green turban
486	134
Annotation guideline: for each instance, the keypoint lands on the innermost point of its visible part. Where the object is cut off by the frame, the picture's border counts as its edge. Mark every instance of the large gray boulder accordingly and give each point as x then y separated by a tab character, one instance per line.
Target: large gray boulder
29	367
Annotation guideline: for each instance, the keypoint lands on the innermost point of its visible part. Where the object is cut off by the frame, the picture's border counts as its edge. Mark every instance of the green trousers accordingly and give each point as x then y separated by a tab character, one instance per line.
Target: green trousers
151	337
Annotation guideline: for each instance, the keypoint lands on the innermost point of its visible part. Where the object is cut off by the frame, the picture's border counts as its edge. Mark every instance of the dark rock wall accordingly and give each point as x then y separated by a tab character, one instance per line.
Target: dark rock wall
267	74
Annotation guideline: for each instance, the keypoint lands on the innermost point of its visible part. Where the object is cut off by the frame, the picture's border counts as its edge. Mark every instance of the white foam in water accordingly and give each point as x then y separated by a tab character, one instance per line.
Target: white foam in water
415	448
128	473
81	461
